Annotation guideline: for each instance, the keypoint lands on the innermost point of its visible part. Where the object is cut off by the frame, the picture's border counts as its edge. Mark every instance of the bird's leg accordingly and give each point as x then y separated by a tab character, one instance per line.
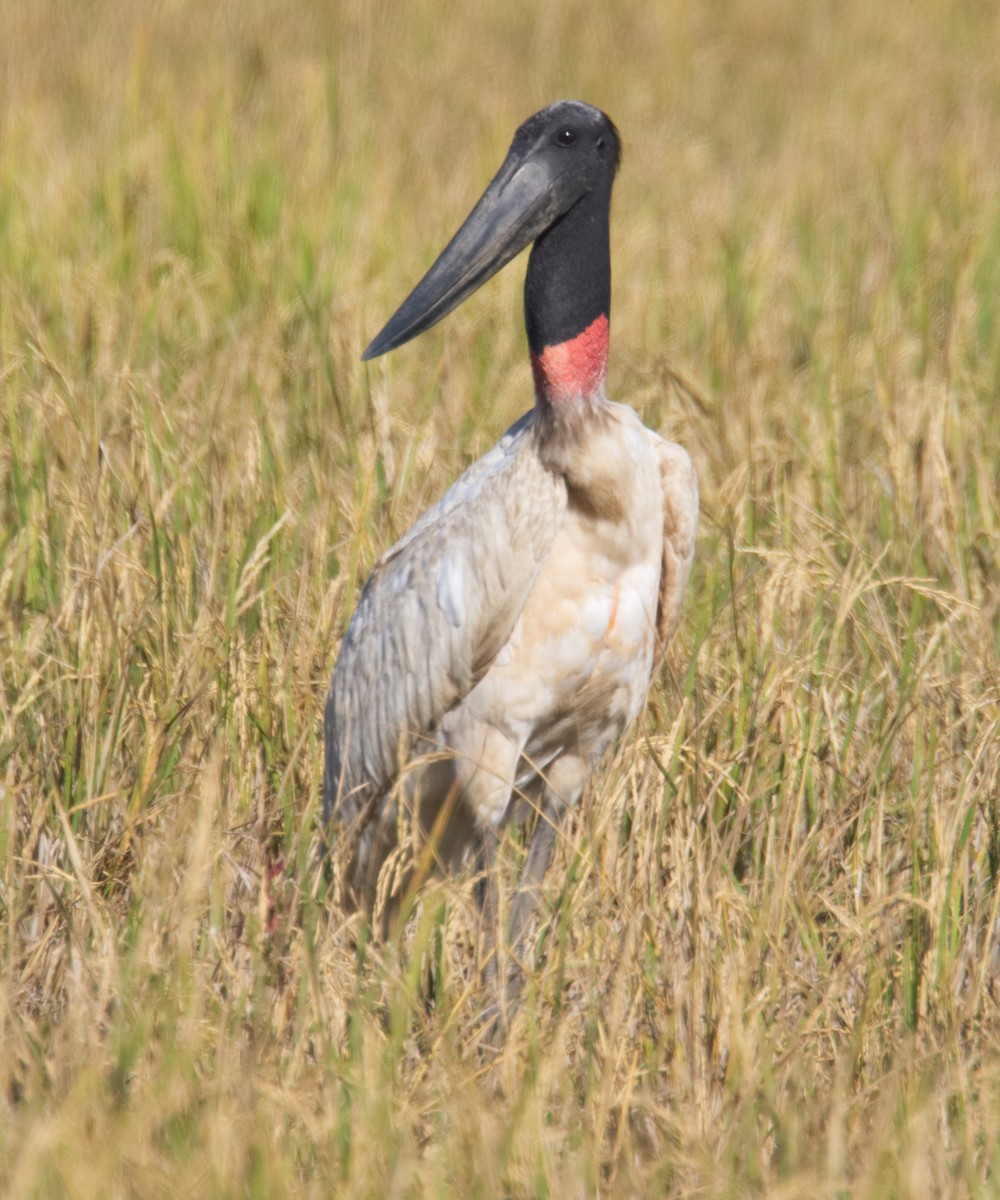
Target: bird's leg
529	891
489	941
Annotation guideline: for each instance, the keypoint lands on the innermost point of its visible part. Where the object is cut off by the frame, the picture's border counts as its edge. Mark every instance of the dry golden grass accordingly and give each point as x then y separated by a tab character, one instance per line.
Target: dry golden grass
768	959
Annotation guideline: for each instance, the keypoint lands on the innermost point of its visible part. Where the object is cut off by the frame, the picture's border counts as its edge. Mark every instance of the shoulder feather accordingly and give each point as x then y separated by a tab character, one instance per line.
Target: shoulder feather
680	524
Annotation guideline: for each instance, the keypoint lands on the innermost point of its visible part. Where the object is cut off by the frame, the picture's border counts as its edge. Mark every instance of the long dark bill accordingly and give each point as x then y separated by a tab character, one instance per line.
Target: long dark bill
521	201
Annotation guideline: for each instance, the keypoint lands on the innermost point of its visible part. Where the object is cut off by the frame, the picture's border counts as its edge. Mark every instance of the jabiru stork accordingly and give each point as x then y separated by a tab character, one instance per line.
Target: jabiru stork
507	639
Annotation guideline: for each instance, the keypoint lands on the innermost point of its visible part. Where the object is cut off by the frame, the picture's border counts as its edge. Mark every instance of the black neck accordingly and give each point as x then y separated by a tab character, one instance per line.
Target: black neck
568	284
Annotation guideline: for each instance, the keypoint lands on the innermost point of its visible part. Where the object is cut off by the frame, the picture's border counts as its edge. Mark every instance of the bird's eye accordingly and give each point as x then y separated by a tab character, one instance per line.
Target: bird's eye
566	137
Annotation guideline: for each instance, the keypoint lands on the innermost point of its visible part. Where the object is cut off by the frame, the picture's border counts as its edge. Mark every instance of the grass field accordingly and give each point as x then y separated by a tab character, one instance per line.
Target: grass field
768	963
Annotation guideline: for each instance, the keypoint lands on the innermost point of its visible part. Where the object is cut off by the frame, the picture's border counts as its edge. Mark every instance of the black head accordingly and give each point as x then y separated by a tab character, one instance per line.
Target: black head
578	144
561	155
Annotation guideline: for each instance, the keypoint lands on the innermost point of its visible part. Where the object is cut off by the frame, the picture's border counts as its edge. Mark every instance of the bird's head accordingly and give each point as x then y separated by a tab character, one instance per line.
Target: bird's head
562	154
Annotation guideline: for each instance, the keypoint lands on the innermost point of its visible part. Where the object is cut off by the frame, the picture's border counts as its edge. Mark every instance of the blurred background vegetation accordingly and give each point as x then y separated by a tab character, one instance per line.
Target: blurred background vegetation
768	957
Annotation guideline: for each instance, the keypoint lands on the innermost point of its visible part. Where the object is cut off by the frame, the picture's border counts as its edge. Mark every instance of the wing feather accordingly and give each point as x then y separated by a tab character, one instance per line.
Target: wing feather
680	523
435	612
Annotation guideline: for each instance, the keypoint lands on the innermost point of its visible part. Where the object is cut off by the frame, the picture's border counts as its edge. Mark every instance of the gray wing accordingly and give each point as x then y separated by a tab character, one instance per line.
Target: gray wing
435	612
680	524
